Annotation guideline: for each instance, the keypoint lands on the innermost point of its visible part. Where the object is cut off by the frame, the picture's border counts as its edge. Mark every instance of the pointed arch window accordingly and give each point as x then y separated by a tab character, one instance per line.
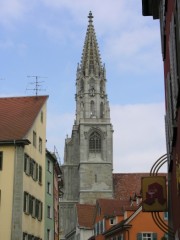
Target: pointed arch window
95	142
101	110
92	108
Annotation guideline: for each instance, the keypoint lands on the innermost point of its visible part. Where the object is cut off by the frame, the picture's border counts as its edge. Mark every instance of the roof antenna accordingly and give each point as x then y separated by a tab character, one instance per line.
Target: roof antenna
37	84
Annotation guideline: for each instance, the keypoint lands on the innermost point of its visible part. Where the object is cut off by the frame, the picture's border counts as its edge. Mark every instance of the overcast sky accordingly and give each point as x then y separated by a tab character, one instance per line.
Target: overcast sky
45	38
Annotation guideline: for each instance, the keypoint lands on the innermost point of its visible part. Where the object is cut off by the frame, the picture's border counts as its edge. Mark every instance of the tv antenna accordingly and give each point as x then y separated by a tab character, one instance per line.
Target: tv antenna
37	84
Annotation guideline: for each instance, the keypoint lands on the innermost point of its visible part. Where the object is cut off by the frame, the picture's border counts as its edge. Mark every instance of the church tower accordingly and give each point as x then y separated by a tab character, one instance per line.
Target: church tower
87	168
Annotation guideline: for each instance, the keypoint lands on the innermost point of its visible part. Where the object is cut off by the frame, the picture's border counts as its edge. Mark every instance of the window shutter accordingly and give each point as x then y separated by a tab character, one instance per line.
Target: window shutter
30	204
139	236
154	236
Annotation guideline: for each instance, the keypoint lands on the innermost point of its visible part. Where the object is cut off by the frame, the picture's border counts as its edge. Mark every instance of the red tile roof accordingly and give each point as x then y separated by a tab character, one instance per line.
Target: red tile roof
112	207
86	214
17	114
126	185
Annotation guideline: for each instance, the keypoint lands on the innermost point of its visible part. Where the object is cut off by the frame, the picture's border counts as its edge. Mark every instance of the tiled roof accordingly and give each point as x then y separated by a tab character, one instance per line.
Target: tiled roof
127	185
113	207
85	214
17	114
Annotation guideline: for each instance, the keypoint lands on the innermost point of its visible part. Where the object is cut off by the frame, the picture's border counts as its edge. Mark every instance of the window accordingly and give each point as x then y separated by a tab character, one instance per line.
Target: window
120	237
38	211
40	145
48	234
49	212
112	221
33	169
34	139
33	211
49	187
95	142
49	166
147	236
26	202
42	116
92	108
25	236
165	215
30	167
1	160
40	175
26	164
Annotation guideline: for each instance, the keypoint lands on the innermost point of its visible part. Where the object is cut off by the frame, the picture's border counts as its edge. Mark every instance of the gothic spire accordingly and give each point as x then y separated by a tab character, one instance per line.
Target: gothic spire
91	60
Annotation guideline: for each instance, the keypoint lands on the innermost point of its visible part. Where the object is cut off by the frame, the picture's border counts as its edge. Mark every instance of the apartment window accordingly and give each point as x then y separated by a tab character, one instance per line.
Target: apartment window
34	139
40	145
49	166
25	236
1	160
26	202
95	142
147	236
42	116
120	237
165	215
32	206
26	164
40	175
49	187
35	171
49	212
38	211
48	234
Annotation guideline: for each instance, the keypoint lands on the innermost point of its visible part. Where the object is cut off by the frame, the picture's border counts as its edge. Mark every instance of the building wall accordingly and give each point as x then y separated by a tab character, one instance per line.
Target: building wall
139	225
172	85
49	199
6	191
35	188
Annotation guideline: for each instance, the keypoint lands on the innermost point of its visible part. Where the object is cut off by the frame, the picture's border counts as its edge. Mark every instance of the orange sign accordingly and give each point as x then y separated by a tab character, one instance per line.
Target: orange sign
154	194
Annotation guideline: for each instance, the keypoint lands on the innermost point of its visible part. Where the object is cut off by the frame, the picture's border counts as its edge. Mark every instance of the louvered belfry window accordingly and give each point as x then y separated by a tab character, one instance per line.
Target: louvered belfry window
95	142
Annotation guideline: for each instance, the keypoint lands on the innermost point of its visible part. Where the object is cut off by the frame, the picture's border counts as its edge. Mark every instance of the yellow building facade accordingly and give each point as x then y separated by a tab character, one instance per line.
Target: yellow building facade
22	167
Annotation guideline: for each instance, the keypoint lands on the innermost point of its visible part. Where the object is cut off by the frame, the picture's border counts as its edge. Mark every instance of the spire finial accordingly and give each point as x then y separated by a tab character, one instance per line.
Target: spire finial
90	17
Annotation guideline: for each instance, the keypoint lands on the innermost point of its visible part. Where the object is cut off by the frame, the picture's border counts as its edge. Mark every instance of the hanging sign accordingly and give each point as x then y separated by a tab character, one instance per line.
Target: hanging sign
154	194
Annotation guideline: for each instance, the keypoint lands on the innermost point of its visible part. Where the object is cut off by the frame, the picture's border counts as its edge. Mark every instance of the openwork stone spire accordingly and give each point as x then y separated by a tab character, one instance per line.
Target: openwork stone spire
91	60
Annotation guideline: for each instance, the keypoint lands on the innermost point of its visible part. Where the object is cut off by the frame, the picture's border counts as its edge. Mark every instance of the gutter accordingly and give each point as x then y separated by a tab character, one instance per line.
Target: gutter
14	142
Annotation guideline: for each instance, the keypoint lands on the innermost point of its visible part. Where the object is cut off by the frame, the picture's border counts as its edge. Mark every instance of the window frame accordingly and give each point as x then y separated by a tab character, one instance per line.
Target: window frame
49	212
34	139
95	142
1	160
40	145
26	204
40	175
49	189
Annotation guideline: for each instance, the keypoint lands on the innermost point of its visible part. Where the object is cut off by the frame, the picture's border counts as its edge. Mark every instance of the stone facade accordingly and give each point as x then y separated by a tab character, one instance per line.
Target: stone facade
87	168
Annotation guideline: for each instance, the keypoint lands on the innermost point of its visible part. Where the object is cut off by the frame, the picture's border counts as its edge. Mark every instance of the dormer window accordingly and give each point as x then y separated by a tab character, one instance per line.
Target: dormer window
112	221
